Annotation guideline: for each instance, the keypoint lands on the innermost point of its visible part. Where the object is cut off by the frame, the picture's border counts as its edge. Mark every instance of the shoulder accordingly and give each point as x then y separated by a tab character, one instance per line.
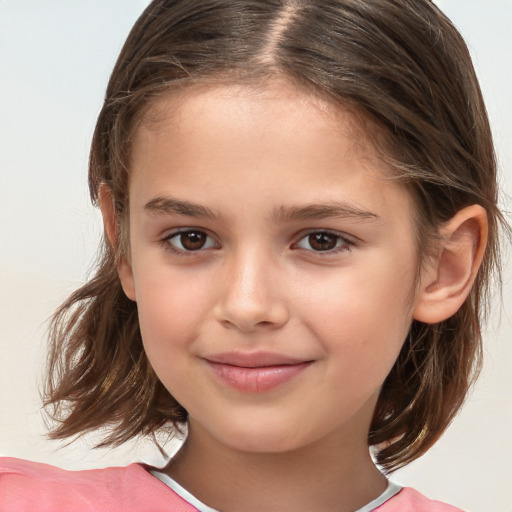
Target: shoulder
410	500
34	486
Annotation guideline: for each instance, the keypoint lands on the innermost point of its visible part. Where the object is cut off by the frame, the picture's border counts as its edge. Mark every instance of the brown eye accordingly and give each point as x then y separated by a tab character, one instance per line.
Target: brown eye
190	241
193	240
323	241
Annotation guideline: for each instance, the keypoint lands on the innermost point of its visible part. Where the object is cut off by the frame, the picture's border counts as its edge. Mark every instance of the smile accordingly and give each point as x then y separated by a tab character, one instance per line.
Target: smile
255	373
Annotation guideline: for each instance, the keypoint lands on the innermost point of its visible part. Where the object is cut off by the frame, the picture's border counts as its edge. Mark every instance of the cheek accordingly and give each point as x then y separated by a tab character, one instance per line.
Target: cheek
171	307
364	312
170	319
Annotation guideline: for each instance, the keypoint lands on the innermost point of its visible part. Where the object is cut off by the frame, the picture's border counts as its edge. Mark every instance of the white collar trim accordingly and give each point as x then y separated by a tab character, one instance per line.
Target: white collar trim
391	490
181	491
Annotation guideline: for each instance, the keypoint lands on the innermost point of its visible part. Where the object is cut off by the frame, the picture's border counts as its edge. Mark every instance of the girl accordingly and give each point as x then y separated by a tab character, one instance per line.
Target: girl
299	201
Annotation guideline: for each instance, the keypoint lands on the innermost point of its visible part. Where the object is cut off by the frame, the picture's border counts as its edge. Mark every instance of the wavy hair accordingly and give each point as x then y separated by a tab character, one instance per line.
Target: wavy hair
399	64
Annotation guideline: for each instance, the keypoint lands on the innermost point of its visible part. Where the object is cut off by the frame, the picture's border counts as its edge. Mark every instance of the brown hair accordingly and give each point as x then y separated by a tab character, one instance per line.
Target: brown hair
402	65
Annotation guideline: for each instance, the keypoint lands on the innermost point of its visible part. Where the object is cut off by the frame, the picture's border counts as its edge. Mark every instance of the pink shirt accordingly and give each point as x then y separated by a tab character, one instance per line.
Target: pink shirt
30	486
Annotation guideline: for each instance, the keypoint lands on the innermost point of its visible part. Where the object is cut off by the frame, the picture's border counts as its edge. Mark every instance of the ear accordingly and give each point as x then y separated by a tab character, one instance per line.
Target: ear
447	279
111	225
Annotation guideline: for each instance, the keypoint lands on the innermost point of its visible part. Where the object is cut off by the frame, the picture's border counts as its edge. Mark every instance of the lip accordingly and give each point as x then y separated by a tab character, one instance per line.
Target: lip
255	372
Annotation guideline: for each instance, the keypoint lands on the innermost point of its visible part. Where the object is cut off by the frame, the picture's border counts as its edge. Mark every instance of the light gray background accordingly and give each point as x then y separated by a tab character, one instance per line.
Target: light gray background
55	58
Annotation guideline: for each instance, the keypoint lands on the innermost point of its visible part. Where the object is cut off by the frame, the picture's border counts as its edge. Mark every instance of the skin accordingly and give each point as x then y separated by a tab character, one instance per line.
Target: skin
266	168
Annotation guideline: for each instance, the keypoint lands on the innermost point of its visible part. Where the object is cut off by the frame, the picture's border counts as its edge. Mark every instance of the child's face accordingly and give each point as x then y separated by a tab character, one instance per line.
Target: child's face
272	263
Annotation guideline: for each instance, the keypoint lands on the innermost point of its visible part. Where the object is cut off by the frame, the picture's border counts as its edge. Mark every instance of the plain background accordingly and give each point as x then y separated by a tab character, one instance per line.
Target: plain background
55	58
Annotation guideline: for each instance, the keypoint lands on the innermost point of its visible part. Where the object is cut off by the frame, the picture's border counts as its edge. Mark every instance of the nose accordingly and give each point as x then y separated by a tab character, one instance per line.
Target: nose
252	296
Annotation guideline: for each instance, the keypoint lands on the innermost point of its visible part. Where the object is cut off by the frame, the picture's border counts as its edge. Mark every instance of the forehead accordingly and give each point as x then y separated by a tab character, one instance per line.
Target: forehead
271	139
231	107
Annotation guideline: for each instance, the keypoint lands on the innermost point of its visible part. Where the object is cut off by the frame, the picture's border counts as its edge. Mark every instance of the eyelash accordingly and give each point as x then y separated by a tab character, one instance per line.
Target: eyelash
343	243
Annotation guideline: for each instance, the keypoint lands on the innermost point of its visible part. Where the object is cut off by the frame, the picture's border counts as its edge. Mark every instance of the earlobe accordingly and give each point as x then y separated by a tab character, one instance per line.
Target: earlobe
447	280
111	226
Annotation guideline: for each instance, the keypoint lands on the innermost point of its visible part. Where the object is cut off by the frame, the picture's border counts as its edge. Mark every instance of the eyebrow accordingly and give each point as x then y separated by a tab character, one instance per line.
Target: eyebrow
173	206
322	211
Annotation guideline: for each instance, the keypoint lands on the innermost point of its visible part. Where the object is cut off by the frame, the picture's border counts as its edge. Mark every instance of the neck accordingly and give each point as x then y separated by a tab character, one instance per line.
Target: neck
330	475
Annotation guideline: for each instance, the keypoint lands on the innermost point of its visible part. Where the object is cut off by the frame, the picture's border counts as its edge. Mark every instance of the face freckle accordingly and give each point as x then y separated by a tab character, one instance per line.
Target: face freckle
279	326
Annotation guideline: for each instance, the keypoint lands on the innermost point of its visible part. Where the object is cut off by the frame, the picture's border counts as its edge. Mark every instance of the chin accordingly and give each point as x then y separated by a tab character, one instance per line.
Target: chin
261	437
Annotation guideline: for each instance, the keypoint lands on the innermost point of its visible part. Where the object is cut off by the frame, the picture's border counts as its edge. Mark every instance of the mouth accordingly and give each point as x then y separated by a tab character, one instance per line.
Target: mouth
255	373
